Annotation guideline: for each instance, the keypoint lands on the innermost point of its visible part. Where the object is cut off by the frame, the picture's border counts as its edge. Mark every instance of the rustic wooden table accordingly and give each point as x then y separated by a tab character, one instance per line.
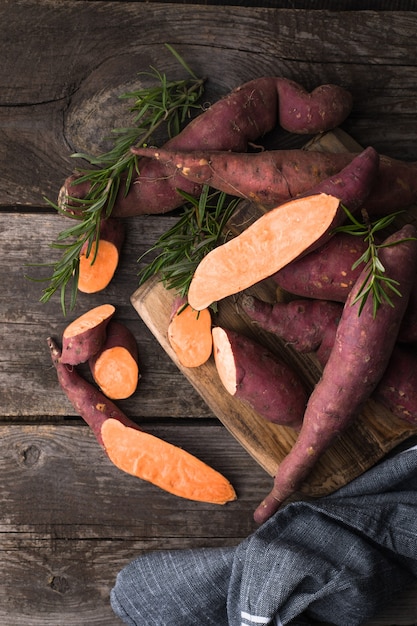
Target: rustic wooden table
69	519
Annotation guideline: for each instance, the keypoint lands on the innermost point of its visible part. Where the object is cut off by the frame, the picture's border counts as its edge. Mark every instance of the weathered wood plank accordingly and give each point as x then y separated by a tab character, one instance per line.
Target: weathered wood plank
69	101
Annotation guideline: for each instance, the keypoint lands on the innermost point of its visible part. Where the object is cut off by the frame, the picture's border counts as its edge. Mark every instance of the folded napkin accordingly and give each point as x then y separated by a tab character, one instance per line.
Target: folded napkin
336	559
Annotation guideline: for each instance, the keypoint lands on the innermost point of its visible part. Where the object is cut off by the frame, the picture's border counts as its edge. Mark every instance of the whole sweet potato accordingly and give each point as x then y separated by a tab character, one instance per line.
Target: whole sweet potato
253	374
241	117
360	355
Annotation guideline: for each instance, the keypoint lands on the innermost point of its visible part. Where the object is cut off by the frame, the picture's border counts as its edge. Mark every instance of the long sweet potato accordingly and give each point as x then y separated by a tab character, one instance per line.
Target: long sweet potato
254	375
115	366
275	239
134	451
357	362
300	323
241	117
274	177
85	335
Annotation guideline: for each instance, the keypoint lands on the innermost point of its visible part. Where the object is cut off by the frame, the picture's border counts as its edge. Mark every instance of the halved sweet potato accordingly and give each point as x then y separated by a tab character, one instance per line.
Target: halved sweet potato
84	337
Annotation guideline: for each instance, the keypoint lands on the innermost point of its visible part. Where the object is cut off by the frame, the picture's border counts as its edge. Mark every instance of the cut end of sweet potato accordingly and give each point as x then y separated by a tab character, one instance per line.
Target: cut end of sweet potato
189	334
84	337
273	241
97	269
117	373
163	464
224	360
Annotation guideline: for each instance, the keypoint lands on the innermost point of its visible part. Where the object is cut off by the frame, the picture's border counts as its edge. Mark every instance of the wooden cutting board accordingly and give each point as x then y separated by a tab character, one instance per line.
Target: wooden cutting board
368	440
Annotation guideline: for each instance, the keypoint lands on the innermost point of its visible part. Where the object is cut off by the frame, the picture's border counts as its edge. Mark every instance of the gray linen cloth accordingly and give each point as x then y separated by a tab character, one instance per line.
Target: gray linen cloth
337	559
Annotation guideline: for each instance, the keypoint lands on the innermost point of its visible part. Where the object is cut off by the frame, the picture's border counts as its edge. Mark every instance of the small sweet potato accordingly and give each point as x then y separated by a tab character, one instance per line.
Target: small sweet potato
134	451
99	263
360	355
254	375
115	366
241	117
84	337
275	239
326	273
300	323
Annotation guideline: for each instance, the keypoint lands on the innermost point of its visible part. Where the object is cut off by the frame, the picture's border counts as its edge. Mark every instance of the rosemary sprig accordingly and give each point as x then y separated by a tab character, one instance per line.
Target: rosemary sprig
376	283
199	229
168	105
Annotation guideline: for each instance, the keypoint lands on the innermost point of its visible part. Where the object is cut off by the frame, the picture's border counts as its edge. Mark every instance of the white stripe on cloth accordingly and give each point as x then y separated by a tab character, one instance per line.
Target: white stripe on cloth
257	619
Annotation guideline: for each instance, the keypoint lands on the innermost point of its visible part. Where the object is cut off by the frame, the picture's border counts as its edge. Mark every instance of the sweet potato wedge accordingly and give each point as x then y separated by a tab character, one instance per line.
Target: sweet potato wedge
84	336
189	334
254	375
274	240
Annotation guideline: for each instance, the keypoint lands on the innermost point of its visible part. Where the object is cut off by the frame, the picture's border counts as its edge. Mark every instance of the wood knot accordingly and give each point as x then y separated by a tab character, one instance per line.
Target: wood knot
59	584
30	455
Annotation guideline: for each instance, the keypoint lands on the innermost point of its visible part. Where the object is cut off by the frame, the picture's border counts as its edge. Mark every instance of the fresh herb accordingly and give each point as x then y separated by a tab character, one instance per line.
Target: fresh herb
376	283
167	105
200	228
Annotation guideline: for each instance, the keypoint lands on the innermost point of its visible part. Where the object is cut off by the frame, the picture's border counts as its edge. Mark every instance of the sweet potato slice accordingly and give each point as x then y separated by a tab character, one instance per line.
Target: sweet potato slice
84	337
253	374
273	241
134	451
189	334
115	366
98	265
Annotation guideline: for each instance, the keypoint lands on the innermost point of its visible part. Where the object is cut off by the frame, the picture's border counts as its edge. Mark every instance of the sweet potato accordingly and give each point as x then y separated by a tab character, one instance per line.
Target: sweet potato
300	323
115	366
397	389
241	117
274	177
84	336
189	334
275	239
361	352
134	451
325	273
254	375
98	264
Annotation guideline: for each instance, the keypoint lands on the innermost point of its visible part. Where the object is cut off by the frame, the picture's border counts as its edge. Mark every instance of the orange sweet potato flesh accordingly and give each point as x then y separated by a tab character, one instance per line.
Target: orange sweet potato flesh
360	355
273	241
84	337
254	375
115	366
239	118
98	264
133	451
189	334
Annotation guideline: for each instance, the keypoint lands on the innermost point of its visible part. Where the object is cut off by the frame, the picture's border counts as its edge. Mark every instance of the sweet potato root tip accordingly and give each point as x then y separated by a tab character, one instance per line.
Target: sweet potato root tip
84	337
360	355
273	241
255	376
189	334
164	465
98	266
132	451
115	366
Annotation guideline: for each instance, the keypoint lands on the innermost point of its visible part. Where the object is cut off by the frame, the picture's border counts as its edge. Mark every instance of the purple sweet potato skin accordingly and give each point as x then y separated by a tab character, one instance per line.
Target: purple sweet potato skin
266	383
397	389
80	348
299	323
360	355
241	117
89	403
326	273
